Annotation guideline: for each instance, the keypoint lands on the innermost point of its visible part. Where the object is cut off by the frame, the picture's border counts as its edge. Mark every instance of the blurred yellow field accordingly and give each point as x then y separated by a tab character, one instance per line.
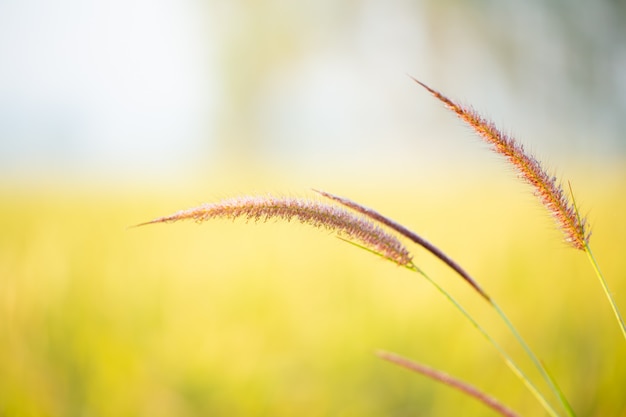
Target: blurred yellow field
113	114
236	319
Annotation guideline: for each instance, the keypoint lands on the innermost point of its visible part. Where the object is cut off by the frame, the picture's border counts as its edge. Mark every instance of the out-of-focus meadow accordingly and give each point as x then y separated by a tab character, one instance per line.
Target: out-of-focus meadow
279	319
116	112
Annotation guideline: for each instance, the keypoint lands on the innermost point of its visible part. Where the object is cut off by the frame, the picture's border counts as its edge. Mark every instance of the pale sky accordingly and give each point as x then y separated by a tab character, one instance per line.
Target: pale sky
136	87
103	84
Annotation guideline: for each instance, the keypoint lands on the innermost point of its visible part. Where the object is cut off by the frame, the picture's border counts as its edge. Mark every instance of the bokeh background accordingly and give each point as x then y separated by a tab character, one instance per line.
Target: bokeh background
112	113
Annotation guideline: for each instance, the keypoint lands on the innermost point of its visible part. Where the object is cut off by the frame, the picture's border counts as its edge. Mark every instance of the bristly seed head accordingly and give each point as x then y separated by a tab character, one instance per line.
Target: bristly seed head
547	188
315	213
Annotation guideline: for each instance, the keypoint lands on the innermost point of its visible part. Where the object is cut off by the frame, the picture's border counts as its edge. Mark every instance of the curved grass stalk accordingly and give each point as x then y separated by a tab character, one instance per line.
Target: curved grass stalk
507	359
448	380
505	356
599	274
606	289
374	215
538	364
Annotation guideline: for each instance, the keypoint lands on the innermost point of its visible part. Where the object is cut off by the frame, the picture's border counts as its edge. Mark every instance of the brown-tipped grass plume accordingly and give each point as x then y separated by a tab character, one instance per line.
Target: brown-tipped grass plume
547	187
347	224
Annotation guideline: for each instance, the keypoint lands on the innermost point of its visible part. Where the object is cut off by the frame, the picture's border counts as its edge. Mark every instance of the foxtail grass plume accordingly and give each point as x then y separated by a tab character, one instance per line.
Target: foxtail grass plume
546	186
346	224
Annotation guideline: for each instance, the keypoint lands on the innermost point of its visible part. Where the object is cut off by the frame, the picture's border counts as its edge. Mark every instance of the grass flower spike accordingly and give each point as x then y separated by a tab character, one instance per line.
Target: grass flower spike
348	225
546	186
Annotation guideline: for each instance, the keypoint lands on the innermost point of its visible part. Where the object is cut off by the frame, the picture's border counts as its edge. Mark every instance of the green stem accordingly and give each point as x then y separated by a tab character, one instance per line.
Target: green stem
538	364
457	268
606	289
510	363
596	268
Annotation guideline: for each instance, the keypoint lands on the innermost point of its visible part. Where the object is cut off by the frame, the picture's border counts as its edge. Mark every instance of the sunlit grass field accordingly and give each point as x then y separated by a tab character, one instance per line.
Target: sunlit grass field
236	319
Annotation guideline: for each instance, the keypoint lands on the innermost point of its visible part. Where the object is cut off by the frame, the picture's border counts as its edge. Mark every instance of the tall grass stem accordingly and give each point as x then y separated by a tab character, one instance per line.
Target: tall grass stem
606	289
448	380
538	364
507	359
599	274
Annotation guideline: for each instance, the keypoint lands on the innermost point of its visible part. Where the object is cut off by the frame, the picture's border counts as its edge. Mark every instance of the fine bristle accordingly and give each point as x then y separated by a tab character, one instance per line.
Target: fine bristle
547	188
